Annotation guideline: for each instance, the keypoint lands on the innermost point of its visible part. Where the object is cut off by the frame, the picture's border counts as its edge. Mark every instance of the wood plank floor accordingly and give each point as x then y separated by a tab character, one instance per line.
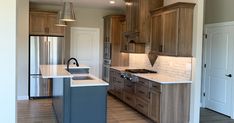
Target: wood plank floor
208	116
40	111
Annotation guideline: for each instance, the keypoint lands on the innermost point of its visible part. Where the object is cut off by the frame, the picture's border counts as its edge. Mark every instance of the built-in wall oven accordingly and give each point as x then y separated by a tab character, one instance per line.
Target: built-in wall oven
107	61
107	51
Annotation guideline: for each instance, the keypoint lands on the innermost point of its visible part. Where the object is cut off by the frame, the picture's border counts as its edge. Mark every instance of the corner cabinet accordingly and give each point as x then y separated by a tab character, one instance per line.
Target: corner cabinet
171	30
43	23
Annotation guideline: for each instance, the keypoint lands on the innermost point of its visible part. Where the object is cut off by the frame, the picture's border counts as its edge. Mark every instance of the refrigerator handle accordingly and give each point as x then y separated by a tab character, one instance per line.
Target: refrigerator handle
48	46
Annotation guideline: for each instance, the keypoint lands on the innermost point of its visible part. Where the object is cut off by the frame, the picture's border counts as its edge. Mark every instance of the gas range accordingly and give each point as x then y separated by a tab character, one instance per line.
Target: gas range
139	71
128	74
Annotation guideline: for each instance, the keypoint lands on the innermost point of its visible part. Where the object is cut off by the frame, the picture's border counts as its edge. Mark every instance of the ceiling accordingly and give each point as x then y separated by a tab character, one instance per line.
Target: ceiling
102	4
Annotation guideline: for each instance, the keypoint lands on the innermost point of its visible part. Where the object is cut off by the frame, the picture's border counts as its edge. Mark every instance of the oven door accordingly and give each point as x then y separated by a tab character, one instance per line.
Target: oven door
107	50
106	72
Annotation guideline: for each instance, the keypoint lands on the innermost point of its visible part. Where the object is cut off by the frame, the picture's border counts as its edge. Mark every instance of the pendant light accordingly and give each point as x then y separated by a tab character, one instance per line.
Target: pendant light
68	12
60	22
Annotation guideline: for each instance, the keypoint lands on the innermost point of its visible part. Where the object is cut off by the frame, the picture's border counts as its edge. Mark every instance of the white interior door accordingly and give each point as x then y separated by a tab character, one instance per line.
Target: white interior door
219	63
85	47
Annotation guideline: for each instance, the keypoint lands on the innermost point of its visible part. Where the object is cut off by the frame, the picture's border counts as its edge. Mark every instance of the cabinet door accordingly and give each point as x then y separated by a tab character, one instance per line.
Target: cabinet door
111	81
170	32
124	43
129	17
154	108
38	23
156	33
53	29
135	15
107	26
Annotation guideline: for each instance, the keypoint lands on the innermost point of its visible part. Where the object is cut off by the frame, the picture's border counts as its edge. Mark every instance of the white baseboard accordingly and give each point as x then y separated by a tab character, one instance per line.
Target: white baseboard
22	98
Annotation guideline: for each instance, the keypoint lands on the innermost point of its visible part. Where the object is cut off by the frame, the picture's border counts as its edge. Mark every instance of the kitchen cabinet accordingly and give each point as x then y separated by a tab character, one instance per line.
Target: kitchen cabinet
43	23
171	30
162	103
124	43
138	24
113	37
169	103
116	84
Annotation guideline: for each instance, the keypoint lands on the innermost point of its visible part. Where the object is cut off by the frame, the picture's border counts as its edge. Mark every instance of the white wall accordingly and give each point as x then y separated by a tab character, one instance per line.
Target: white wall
197	57
22	49
8	61
93	18
219	11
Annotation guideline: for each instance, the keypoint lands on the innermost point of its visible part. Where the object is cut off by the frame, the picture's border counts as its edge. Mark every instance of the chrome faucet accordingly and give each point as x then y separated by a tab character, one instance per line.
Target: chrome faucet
68	63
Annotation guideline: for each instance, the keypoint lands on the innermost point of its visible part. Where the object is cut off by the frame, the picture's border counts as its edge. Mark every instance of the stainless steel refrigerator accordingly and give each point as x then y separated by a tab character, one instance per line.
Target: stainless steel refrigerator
44	50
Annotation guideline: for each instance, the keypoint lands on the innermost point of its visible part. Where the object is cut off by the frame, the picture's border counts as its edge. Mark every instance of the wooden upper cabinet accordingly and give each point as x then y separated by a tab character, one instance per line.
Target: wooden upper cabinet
157	37
138	17
171	30
107	26
53	29
38	22
43	23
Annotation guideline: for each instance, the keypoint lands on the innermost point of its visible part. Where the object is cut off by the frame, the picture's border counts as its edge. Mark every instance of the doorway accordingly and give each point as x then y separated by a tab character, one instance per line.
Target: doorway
217	92
85	47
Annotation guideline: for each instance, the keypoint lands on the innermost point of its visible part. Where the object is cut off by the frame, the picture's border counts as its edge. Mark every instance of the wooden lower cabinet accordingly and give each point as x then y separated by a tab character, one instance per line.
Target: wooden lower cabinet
116	84
169	103
162	103
154	110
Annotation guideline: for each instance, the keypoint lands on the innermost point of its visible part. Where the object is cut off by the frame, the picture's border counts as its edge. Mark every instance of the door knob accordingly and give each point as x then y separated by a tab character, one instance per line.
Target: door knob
228	75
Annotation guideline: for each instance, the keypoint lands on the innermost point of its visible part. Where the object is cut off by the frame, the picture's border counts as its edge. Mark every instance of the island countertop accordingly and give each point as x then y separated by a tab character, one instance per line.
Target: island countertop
59	71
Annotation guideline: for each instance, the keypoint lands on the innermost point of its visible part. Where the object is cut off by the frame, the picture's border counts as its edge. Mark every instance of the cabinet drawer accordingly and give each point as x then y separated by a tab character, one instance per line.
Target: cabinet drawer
155	87
142	92
143	82
129	99
142	106
129	87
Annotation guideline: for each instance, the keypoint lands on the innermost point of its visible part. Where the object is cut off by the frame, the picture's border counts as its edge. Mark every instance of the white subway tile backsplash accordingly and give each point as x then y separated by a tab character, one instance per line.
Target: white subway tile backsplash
179	67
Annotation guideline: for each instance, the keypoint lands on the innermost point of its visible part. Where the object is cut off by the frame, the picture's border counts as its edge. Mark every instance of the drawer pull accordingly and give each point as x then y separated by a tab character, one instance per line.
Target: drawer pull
140	105
129	86
128	98
141	92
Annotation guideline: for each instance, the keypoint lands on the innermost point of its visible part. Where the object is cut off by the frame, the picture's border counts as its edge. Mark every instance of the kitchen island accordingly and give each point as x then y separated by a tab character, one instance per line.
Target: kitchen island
78	97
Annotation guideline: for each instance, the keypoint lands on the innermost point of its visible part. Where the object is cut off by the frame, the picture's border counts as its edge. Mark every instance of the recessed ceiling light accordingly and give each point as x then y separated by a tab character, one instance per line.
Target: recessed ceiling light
112	2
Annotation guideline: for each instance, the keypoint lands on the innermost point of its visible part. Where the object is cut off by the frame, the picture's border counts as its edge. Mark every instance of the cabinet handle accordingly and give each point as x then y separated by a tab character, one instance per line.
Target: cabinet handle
160	48
128	98
142	82
149	95
47	30
141	92
140	105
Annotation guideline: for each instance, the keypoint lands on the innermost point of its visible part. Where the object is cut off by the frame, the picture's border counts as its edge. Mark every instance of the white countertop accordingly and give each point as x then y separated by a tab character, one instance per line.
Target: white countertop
84	83
59	71
156	77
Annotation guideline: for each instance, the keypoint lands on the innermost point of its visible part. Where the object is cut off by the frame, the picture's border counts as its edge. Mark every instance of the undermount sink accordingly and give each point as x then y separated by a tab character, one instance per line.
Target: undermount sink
78	71
82	78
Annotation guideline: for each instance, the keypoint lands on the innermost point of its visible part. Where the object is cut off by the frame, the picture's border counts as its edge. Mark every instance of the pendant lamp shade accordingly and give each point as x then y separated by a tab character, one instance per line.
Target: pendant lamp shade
68	12
60	22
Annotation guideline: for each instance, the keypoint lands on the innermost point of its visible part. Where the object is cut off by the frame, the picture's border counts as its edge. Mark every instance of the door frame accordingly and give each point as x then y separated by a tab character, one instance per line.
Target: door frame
231	23
97	30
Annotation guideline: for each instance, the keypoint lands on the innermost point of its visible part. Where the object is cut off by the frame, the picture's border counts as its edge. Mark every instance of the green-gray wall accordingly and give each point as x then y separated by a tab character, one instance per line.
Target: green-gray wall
219	11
